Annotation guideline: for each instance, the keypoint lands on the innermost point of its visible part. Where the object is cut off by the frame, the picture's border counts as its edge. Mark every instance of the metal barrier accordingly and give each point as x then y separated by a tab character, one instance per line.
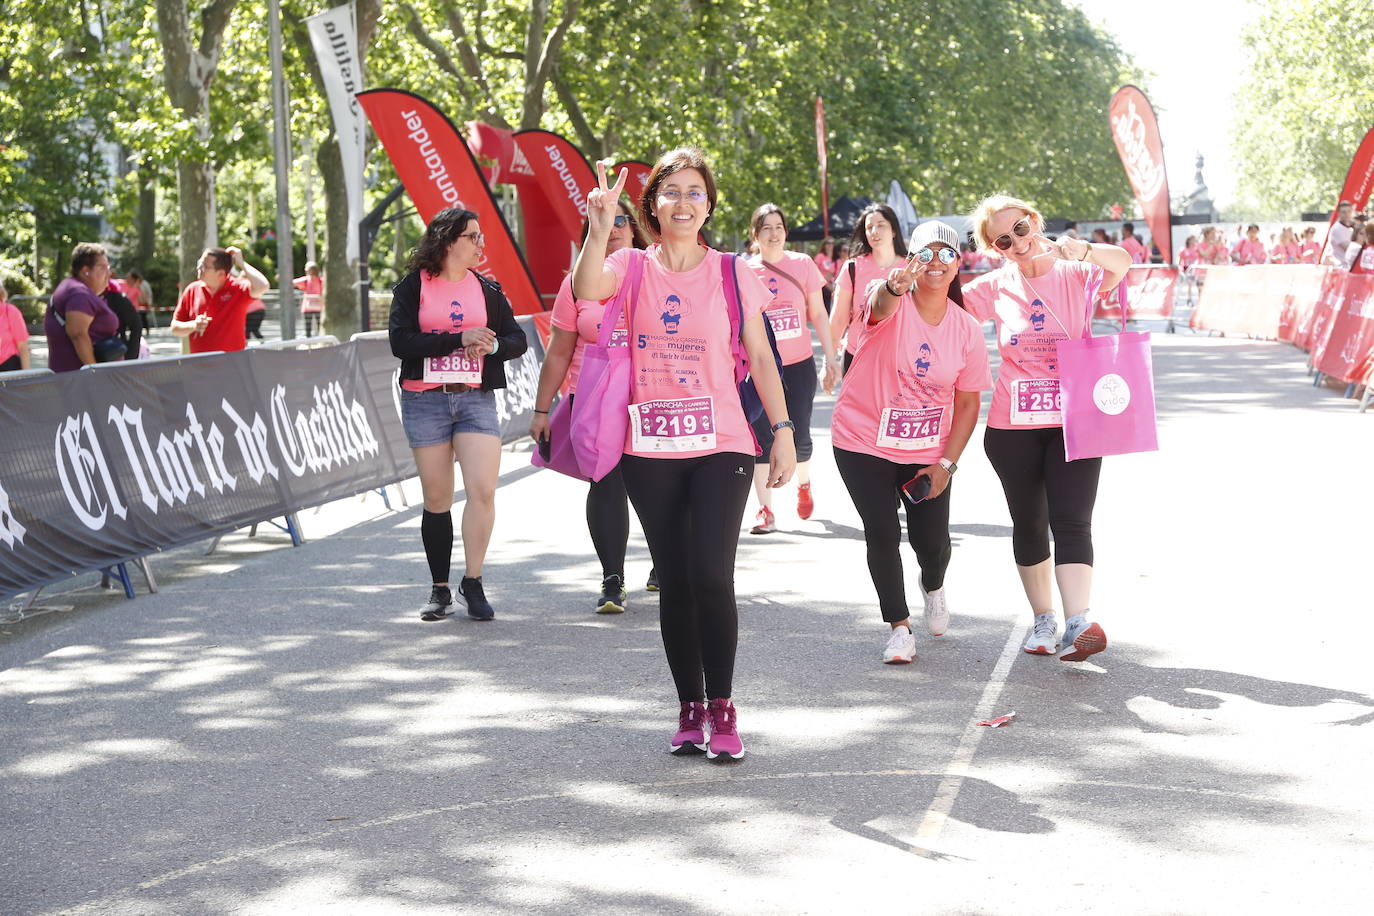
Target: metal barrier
19	375
300	343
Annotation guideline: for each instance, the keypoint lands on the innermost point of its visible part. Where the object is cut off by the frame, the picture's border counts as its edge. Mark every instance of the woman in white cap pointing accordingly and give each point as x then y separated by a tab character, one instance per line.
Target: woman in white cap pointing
909	404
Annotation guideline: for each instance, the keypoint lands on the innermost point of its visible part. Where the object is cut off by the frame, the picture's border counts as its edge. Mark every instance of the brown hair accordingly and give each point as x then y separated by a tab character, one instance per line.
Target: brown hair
220	258
762	213
85	254
439	236
669	164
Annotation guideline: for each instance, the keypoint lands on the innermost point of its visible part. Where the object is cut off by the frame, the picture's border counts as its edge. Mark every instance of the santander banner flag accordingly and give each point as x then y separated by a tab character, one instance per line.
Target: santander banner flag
638	179
1137	141
1359	181
439	171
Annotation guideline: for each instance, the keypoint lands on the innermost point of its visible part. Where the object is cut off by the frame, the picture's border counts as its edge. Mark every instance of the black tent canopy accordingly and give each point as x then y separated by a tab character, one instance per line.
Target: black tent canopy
844	216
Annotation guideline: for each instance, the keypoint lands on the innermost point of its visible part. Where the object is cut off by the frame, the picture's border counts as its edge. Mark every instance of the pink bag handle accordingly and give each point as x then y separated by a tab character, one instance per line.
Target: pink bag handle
629	292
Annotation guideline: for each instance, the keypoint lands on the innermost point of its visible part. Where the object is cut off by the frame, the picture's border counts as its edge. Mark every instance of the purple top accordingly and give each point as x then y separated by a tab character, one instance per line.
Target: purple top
72	295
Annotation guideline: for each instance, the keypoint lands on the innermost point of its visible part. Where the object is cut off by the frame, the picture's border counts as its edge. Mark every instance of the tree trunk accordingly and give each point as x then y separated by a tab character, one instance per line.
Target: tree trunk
341	316
196	209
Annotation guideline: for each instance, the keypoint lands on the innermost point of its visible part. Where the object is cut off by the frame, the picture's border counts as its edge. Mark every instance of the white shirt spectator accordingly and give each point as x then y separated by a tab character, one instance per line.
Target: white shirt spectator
1340	241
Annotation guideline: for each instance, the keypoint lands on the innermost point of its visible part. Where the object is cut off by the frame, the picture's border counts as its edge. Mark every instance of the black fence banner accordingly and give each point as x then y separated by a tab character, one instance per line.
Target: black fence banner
119	461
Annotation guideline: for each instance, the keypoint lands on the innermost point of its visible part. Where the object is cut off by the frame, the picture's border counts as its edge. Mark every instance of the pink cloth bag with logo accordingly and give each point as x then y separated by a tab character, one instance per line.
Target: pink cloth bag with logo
601	410
1107	388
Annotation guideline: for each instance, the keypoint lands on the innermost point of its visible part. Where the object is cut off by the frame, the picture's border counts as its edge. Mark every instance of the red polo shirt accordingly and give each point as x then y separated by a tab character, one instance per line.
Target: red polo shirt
226	309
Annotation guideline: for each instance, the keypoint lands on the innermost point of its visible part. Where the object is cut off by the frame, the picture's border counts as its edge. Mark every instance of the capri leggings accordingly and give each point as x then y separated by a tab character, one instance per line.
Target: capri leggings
691	509
1045	494
875	485
799	383
608	520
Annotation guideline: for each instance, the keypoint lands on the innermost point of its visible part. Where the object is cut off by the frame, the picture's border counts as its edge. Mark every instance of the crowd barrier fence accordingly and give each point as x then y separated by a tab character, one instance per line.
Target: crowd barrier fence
103	467
1325	311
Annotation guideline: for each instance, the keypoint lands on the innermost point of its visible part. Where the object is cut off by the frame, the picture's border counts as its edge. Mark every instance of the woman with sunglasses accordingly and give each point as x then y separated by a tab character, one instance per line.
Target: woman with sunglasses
875	248
903	418
453	330
1044	294
689	449
576	323
795	285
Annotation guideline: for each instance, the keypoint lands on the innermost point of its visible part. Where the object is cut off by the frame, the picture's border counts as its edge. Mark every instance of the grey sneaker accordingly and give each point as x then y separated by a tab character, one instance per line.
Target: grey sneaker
1044	638
440	604
1083	639
613	596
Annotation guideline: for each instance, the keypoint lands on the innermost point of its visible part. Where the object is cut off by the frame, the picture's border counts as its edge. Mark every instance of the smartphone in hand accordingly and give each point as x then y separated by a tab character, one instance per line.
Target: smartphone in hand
917	489
544	445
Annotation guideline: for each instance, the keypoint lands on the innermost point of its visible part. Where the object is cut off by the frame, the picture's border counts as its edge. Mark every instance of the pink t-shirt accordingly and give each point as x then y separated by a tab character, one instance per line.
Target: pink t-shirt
898	397
826	266
448	306
1139	254
13	331
583	317
1028	328
1364	262
1284	253
866	270
1188	257
787	312
1308	251
312	287
685	403
1248	252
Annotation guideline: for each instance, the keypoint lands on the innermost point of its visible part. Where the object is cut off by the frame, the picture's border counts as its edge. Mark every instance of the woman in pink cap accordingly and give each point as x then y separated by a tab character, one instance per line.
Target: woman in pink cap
908	407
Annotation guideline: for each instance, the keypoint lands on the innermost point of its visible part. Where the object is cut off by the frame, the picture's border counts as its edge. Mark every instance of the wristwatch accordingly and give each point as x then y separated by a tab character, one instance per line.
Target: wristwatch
949	466
785	424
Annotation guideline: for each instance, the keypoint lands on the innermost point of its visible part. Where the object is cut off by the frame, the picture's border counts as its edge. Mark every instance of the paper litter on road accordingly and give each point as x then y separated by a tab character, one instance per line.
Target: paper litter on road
999	721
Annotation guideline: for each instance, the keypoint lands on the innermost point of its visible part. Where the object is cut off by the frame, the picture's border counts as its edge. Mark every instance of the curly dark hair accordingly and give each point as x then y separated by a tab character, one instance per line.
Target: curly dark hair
439	236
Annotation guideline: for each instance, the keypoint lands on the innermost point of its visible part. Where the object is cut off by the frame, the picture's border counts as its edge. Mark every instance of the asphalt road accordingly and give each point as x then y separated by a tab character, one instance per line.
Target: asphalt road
277	731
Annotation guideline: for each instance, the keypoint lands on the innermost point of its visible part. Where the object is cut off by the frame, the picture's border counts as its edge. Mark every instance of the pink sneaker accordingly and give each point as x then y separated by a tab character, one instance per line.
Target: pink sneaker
691	734
724	736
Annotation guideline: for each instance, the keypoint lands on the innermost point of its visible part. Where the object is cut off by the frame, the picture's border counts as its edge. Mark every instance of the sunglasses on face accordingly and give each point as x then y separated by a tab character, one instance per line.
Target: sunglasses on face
1020	230
928	254
621	221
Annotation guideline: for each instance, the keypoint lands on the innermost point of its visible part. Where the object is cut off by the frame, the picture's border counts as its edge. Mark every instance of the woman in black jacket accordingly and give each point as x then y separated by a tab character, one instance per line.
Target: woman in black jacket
452	330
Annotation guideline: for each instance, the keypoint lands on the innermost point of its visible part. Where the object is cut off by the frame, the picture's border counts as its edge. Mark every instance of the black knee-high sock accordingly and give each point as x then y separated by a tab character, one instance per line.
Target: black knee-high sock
436	530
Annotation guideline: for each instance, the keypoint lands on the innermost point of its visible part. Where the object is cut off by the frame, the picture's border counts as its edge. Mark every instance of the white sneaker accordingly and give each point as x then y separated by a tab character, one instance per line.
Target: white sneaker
1044	638
901	647
937	611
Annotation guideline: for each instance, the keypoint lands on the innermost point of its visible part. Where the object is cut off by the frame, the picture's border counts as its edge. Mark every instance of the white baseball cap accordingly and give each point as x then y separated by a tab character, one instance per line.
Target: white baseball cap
932	230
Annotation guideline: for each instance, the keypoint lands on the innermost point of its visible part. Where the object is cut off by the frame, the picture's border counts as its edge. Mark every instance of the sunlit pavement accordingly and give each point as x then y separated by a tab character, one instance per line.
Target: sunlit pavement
277	731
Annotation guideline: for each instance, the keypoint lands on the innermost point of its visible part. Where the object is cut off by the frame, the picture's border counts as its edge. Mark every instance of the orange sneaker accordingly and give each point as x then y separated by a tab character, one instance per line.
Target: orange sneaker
805	504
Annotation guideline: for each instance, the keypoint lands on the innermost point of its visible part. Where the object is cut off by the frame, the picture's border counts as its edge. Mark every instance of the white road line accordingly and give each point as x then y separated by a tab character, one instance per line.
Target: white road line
960	763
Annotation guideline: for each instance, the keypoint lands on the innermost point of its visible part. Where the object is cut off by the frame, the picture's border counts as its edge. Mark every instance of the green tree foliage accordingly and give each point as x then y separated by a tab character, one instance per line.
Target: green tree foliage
1305	105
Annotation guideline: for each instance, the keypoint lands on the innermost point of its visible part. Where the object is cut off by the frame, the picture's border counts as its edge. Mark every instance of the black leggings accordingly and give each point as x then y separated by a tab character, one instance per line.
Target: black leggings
608	519
1045	494
799	384
691	509
253	324
312	323
875	485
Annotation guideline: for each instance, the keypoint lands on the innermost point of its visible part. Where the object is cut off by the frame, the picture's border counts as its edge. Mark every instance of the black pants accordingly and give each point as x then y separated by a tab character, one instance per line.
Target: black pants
799	384
1045	494
690	509
253	324
608	519
875	485
312	323
148	321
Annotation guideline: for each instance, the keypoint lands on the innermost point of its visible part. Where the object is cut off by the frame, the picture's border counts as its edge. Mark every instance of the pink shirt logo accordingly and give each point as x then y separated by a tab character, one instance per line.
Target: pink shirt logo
673	310
922	363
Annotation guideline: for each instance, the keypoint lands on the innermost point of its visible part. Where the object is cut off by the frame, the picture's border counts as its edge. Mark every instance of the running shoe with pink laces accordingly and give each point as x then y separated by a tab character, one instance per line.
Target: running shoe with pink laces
725	740
764	522
691	730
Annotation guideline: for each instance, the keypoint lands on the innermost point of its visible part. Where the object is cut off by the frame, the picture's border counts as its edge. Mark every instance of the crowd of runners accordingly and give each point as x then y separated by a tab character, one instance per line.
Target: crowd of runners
691	319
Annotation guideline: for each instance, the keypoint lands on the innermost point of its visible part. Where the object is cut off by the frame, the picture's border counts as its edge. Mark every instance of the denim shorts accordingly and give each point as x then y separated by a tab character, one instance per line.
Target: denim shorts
433	417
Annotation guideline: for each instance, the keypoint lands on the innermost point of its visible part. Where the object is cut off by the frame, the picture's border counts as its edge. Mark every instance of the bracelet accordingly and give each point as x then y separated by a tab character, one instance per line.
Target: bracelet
1088	253
887	284
537	410
785	424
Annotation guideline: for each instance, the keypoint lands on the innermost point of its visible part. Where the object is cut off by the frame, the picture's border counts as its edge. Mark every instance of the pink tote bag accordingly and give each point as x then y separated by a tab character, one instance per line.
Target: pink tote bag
1108	395
561	458
601	410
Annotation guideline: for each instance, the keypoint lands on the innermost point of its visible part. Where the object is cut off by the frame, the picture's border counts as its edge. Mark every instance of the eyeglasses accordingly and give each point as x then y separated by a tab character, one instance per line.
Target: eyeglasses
928	254
474	237
1021	230
674	195
621	221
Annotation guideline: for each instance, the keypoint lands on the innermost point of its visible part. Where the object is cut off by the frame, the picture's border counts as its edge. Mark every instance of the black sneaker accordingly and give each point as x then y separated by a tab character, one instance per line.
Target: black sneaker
652	584
471	590
440	604
612	600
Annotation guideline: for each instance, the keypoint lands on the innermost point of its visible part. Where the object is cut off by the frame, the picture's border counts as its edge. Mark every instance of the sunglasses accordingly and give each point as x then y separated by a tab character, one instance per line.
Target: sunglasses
1020	230
621	221
928	254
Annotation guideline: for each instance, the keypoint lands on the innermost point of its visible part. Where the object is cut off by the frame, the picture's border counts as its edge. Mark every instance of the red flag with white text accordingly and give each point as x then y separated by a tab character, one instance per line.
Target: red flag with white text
638	179
439	171
1136	133
1359	181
